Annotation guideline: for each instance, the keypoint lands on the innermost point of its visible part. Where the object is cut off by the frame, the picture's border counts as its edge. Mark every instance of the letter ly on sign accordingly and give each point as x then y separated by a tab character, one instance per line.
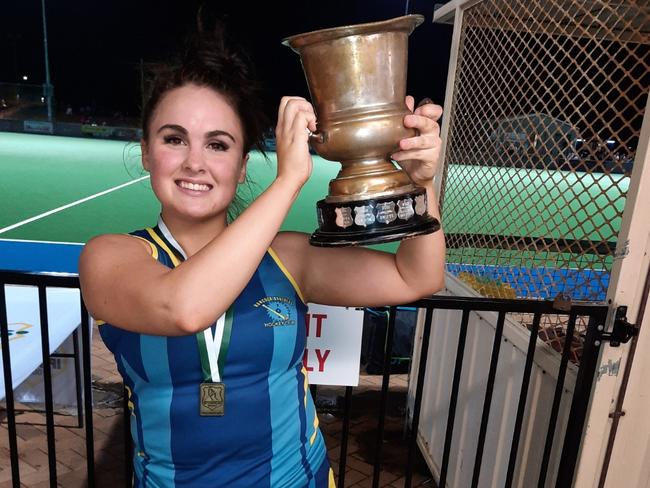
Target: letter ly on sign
321	357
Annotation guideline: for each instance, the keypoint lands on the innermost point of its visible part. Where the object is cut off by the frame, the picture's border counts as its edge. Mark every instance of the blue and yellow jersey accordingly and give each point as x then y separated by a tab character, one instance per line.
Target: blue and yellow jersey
269	435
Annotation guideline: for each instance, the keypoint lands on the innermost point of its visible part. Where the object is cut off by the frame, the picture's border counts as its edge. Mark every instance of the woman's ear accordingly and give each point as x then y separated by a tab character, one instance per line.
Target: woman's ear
242	173
144	149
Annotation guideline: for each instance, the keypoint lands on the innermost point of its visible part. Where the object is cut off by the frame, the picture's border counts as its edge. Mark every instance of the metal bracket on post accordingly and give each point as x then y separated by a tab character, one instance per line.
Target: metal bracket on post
622	331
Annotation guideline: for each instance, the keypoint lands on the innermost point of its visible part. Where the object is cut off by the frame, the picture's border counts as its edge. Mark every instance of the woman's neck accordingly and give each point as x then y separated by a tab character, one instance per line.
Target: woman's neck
193	236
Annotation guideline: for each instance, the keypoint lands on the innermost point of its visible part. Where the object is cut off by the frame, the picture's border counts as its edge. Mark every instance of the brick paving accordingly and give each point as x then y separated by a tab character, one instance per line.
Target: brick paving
109	441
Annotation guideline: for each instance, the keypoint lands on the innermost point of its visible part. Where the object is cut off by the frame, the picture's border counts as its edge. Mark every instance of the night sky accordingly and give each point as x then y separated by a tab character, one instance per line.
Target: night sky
95	48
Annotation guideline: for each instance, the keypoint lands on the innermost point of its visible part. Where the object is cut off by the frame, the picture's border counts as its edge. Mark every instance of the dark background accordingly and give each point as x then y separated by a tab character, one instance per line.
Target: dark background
96	49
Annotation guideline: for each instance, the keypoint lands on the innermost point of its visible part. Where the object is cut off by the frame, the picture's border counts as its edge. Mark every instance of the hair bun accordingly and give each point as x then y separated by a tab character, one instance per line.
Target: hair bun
210	58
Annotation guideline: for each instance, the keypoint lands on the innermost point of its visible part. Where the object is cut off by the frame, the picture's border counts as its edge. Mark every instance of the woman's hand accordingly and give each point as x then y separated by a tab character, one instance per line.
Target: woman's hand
296	119
419	155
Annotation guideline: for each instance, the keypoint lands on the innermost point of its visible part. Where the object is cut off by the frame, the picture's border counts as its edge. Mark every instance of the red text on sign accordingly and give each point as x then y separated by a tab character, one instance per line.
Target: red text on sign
320	318
321	357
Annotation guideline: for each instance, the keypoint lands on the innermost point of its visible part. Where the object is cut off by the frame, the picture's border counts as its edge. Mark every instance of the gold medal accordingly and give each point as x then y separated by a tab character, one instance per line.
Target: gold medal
213	399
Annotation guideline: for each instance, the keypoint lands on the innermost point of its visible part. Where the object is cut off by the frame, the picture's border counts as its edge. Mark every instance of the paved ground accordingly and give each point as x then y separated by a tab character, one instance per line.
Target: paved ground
109	446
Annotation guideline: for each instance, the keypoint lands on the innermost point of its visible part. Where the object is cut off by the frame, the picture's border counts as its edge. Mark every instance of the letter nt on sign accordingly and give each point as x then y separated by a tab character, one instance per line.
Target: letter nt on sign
319	317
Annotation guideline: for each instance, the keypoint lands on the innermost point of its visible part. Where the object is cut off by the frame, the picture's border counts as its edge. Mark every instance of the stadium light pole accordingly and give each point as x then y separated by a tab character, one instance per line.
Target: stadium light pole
48	86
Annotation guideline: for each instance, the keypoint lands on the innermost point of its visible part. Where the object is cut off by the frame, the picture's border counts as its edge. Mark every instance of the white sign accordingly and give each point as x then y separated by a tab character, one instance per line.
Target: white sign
25	343
333	349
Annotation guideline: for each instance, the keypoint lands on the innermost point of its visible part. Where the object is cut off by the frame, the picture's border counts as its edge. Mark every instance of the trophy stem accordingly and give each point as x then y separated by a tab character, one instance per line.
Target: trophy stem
359	178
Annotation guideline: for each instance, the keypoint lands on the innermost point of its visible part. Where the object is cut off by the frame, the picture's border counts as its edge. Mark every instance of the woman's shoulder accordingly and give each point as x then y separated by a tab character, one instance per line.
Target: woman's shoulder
289	243
107	245
292	248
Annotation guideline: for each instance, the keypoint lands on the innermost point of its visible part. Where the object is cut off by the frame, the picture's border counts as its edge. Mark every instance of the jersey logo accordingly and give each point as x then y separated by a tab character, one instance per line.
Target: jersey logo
279	310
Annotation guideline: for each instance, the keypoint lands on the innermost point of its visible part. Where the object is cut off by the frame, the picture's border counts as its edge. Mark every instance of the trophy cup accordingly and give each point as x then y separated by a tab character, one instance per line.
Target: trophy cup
357	82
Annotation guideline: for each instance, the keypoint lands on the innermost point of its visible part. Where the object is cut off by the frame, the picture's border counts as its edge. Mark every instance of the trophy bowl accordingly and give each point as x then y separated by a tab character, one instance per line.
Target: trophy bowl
357	82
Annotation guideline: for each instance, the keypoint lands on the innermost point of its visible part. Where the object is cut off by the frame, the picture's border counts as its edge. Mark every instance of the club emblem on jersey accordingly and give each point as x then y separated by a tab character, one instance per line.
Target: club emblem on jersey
279	310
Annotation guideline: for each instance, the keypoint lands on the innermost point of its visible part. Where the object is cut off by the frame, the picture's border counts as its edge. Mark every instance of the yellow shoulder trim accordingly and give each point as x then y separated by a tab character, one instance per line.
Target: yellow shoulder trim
154	249
162	244
287	274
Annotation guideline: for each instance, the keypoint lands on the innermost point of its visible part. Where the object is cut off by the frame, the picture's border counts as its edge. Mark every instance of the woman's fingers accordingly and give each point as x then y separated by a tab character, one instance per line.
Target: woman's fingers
295	119
421	155
423	141
295	114
303	122
429	110
410	102
422	123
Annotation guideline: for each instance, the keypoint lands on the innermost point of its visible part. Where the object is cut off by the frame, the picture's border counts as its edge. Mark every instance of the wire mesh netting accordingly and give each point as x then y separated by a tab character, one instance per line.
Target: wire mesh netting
547	108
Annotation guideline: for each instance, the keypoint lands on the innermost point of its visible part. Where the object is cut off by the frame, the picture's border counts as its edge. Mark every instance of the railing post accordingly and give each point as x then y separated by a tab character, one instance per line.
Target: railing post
417	403
345	434
9	390
47	383
388	353
88	396
557	398
453	400
580	403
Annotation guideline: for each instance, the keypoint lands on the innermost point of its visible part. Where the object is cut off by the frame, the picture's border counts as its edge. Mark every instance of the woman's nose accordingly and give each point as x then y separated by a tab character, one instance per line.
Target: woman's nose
194	160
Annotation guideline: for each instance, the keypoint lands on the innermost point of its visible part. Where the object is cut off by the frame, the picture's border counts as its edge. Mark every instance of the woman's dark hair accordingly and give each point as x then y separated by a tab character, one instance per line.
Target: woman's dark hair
209	60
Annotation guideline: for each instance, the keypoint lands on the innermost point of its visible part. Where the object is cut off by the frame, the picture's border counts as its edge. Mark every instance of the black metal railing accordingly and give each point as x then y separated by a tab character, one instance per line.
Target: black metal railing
596	315
42	282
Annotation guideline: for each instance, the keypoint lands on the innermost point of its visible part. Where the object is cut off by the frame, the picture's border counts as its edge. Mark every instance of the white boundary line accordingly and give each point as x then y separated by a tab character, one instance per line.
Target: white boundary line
43	242
72	204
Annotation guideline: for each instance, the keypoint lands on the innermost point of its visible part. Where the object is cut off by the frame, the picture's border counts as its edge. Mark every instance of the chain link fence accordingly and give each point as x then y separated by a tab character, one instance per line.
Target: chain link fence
547	107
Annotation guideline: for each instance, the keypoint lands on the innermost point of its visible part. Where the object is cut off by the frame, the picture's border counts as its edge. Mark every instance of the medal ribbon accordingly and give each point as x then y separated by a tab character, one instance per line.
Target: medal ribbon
213	346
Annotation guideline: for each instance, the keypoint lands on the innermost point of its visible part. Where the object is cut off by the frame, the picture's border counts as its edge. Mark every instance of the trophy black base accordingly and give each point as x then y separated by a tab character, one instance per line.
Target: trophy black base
373	221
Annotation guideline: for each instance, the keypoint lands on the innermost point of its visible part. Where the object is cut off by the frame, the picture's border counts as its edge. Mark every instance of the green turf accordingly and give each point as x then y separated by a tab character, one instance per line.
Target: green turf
40	173
535	203
44	172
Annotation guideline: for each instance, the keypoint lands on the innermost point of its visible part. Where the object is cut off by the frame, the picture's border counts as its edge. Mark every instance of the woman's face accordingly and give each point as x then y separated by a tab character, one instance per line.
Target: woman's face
194	153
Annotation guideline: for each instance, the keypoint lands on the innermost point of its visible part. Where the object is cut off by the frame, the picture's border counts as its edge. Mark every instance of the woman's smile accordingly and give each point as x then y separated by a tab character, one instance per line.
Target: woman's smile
193	188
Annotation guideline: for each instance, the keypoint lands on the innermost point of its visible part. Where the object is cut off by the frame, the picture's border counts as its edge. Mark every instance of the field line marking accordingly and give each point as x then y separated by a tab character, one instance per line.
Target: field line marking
42	242
72	204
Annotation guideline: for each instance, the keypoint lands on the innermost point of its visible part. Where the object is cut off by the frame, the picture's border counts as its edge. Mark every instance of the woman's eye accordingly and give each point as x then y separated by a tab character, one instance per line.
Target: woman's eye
218	146
173	140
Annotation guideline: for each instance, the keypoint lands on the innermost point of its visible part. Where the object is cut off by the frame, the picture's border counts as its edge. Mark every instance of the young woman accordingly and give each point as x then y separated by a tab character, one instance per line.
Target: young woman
206	318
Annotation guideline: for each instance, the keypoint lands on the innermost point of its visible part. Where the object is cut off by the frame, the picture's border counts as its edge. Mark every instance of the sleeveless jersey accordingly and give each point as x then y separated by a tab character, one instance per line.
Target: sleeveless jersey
269	435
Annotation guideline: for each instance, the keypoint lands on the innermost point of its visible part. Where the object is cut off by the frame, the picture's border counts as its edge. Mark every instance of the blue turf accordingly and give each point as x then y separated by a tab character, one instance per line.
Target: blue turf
38	257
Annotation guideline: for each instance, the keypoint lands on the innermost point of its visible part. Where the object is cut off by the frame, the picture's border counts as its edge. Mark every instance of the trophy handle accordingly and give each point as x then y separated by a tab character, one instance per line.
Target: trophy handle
318	137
